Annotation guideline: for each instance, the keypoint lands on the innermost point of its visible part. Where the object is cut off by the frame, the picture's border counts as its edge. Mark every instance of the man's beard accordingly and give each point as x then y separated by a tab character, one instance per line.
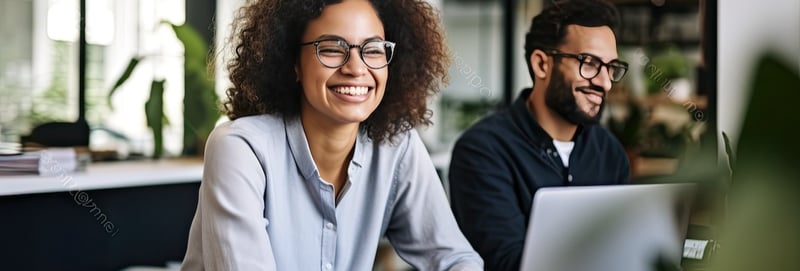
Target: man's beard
559	97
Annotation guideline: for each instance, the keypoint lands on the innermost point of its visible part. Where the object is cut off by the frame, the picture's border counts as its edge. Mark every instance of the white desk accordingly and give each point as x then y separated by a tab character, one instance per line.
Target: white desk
107	175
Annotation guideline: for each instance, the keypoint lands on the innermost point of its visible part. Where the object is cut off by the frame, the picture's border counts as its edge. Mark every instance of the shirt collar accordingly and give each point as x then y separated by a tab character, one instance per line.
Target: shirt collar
526	121
298	145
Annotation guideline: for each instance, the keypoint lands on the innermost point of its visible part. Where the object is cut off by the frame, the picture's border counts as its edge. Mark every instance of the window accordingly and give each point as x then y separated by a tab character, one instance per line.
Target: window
39	68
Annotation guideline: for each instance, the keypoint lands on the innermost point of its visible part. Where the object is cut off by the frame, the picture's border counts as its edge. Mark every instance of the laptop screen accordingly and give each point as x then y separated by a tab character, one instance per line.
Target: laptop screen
620	227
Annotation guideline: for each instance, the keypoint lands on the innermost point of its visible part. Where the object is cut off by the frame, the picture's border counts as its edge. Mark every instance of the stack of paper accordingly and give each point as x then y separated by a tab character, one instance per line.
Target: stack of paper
47	162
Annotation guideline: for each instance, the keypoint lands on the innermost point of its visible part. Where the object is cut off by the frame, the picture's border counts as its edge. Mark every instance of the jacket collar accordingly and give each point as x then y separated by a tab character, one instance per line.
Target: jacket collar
526	121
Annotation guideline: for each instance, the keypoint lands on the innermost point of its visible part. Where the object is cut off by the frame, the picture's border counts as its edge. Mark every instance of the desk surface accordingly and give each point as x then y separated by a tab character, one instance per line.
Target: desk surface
107	175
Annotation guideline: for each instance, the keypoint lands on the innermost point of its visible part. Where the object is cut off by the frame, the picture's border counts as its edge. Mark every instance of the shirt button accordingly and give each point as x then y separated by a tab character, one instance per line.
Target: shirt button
328	266
329	225
569	178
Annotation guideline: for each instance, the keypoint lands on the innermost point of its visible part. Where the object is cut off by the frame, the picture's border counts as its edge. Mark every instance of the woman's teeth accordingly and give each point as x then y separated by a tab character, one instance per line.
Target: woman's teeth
355	91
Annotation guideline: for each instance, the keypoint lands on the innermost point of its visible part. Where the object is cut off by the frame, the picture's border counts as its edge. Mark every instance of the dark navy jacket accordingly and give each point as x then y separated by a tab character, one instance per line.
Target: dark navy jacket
500	162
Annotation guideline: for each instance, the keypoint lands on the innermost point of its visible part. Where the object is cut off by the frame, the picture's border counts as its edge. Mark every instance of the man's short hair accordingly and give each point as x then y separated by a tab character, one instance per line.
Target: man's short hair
549	28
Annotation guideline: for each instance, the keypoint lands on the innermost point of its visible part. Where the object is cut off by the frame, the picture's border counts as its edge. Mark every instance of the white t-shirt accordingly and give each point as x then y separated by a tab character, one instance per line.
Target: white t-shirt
564	149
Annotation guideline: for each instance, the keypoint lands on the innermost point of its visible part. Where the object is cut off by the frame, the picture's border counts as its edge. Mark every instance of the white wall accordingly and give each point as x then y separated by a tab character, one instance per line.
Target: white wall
226	9
745	30
527	10
474	37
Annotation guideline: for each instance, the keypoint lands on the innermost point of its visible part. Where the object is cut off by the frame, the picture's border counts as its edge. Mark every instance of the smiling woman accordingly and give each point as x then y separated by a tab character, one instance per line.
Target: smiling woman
264	83
348	93
320	160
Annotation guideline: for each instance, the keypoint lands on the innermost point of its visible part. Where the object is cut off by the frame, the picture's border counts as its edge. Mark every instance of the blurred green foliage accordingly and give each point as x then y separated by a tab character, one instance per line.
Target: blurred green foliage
762	229
200	101
664	67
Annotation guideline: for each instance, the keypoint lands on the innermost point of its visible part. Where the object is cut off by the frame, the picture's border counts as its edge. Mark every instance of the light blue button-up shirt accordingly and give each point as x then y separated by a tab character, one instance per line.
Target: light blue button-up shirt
264	206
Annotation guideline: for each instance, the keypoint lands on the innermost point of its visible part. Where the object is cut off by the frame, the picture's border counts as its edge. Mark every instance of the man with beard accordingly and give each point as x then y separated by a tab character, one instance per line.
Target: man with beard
548	137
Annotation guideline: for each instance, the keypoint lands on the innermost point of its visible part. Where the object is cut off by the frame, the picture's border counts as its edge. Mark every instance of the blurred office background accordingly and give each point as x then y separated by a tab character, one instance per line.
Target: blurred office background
40	77
667	101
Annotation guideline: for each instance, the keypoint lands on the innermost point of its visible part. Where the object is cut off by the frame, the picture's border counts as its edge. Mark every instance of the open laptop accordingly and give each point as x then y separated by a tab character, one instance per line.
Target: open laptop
621	228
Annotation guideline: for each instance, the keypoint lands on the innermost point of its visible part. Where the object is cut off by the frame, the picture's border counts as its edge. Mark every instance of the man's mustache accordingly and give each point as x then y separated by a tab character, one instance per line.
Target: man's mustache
591	89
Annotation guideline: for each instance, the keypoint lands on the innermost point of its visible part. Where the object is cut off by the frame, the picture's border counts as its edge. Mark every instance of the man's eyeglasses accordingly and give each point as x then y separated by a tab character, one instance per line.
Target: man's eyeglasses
334	53
591	65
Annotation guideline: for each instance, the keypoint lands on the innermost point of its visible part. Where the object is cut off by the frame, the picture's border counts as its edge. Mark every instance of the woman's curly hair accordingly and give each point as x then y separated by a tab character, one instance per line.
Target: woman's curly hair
267	38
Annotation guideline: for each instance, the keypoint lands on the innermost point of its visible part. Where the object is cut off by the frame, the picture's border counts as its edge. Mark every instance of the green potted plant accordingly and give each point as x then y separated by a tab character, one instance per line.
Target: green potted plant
666	71
200	102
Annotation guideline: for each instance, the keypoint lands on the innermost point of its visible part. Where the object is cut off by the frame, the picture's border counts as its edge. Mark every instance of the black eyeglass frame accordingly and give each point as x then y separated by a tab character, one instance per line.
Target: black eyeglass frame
360	47
582	59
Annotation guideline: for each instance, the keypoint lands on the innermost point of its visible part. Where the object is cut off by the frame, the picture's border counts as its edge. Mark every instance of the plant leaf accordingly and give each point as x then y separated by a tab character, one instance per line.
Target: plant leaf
728	151
123	78
200	101
195	48
761	232
154	112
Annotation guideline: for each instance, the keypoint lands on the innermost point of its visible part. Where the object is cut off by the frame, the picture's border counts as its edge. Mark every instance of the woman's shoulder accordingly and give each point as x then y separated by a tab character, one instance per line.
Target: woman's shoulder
402	146
400	140
257	126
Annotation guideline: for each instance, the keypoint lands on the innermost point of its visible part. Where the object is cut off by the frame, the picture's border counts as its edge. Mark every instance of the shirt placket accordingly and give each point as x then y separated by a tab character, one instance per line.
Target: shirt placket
328	227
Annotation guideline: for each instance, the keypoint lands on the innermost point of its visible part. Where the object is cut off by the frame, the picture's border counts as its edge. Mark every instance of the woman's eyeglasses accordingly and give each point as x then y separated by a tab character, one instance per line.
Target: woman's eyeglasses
334	53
